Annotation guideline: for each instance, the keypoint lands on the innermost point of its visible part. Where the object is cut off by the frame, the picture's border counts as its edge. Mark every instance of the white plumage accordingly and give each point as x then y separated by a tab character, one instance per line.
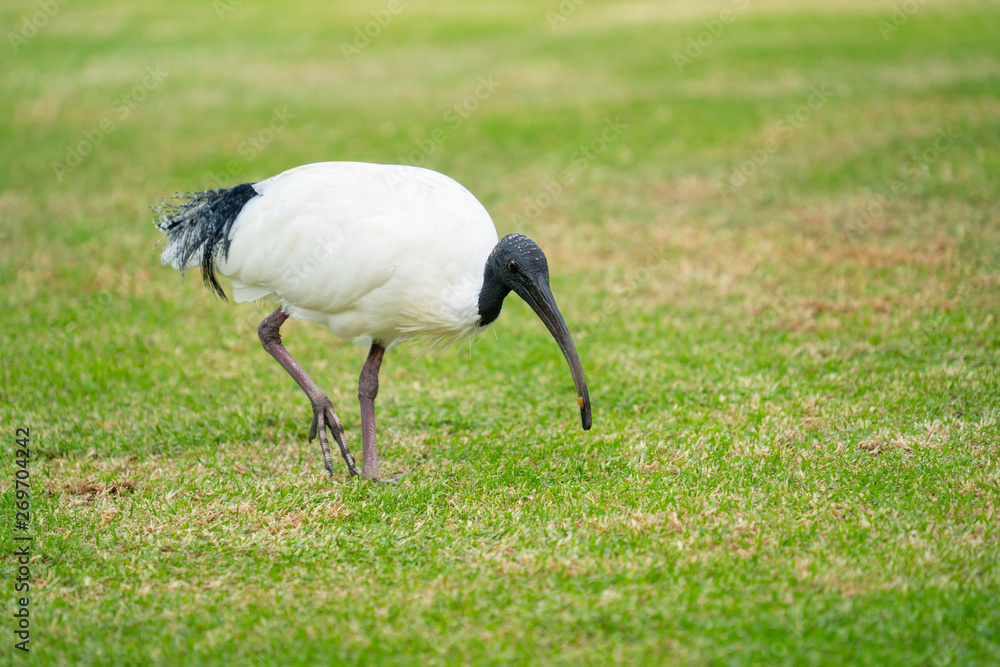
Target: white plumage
317	242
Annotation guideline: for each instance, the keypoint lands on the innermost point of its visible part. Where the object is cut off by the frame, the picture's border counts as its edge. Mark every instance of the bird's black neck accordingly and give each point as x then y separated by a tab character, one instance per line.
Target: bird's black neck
492	295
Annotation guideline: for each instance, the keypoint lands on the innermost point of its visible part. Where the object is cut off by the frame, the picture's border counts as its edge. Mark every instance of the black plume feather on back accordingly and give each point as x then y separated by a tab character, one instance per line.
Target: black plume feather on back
200	222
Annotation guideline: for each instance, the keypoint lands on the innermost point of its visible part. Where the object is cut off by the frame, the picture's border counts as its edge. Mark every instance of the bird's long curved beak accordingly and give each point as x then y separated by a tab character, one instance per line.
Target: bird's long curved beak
539	297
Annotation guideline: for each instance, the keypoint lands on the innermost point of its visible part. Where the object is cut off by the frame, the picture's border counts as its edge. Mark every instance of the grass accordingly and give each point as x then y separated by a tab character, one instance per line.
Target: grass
795	448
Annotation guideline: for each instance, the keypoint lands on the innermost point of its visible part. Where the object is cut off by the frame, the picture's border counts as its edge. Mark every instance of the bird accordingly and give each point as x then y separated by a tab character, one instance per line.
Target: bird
379	254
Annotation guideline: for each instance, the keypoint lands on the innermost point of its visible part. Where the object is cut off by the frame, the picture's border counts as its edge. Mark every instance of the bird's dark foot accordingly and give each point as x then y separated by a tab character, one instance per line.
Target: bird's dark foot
325	417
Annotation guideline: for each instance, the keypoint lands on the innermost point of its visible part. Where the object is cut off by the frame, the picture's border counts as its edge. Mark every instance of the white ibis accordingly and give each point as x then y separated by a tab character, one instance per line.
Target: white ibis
379	254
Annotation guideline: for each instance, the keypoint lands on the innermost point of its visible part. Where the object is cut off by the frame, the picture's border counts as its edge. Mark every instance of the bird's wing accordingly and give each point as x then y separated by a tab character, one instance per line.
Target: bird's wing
359	244
304	240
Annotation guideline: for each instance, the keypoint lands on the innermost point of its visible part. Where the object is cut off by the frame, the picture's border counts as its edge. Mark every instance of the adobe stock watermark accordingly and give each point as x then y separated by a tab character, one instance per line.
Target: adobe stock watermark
31	25
772	313
580	161
714	27
911	172
561	14
782	131
364	34
90	311
250	148
121	109
623	289
901	13
986	277
451	120
224	7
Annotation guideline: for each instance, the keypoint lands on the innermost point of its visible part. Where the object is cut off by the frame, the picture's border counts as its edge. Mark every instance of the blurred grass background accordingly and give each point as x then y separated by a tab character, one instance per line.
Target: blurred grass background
787	317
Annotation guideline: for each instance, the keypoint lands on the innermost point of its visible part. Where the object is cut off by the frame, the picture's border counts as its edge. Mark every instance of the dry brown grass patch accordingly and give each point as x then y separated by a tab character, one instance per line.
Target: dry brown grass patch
90	490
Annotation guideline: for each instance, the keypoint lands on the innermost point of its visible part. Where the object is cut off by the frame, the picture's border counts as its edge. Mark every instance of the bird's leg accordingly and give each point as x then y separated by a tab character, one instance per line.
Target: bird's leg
367	391
324	416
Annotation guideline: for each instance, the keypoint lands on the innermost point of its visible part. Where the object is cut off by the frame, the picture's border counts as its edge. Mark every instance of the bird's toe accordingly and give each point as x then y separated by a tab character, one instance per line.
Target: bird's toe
313	427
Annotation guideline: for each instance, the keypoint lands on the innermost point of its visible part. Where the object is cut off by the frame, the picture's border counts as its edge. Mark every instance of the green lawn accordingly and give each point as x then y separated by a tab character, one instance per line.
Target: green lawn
772	227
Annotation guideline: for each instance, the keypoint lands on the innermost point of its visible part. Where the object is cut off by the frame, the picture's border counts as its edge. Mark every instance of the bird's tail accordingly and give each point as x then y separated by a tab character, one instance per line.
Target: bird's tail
198	226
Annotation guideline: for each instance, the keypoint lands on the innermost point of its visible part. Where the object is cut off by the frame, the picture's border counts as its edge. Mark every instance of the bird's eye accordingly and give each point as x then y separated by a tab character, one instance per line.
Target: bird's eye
512	267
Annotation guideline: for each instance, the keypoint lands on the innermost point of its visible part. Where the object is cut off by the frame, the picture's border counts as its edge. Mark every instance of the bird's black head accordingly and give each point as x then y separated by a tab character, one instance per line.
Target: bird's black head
517	264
